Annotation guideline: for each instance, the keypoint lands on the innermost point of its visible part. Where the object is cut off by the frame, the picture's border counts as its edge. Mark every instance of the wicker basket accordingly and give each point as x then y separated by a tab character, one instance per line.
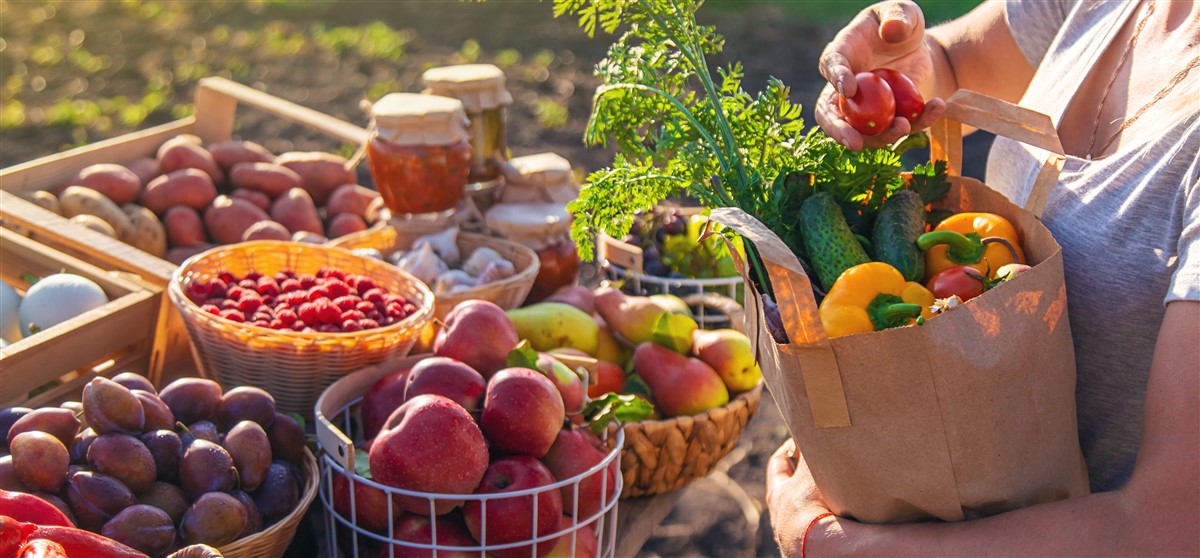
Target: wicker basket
508	293
664	455
293	367
273	541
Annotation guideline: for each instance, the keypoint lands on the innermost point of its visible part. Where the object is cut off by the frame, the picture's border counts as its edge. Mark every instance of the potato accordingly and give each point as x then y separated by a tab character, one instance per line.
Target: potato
46	201
116	182
350	198
270	179
229	153
184	226
255	197
145	168
180	153
78	200
191	187
147	233
228	218
309	238
345	223
296	211
180	254
377	211
95	223
266	230
320	173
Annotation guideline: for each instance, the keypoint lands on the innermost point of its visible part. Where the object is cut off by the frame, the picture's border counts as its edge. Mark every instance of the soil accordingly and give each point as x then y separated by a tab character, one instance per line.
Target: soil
554	69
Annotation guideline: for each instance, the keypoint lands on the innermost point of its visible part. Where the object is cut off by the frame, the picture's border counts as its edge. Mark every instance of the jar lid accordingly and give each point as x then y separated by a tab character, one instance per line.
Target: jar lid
479	86
543	170
529	220
414	119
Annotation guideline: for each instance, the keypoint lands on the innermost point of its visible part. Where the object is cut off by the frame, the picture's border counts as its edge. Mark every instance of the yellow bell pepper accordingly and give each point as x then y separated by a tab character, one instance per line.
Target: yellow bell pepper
871	297
983	241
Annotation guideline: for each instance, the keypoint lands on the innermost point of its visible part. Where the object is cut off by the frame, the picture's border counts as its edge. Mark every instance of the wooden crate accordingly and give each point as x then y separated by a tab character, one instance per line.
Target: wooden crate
115	337
217	100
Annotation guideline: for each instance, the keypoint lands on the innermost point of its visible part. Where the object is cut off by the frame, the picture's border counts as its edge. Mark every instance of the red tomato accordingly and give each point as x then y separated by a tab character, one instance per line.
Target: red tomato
871	109
909	102
959	280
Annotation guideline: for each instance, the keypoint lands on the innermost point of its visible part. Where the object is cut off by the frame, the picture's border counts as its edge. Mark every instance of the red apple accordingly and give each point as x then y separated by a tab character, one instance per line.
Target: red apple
479	334
574	451
370	504
381	400
511	520
569	385
610	379
449	378
430	444
585	541
451	532
522	412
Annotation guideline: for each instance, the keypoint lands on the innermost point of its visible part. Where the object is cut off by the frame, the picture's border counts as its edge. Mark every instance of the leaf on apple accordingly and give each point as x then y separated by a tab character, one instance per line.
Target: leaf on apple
621	408
362	464
523	356
674	331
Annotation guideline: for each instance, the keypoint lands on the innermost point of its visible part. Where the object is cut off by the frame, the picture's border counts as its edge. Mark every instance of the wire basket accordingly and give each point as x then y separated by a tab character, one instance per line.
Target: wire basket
293	367
338	426
273	541
507	293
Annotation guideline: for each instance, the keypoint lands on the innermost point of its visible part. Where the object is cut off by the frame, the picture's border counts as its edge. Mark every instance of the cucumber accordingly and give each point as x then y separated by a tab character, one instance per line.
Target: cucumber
830	244
899	223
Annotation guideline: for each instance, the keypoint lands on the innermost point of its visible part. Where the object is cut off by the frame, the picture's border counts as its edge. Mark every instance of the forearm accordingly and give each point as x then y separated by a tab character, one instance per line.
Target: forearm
978	52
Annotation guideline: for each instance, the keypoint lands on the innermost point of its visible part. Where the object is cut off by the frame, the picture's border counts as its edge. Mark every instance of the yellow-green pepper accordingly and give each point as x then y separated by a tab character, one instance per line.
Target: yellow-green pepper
873	296
984	241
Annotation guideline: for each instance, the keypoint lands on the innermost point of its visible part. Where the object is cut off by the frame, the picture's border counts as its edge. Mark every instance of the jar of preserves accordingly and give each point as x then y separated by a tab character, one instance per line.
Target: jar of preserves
480	87
546	228
418	153
540	178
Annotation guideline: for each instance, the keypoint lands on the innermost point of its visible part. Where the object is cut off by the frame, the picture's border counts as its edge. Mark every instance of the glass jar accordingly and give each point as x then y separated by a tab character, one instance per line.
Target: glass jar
418	153
546	228
480	87
540	178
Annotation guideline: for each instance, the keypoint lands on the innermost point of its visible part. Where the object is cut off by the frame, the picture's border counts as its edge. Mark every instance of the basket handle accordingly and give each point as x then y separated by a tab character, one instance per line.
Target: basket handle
720	303
337	396
1003	119
219	96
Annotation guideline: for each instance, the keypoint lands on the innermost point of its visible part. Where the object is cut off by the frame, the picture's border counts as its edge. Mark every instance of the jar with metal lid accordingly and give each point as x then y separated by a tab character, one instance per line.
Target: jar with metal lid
418	153
540	178
480	87
546	228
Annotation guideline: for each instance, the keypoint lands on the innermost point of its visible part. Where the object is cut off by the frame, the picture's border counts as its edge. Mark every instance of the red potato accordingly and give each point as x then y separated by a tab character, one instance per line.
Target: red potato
116	182
229	153
309	238
266	230
181	153
255	197
179	254
268	178
191	187
350	198
343	224
146	169
184	227
320	173
228	218
296	211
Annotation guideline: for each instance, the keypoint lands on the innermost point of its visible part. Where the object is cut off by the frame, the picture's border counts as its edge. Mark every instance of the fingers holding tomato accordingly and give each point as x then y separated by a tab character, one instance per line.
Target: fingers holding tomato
885	107
873	106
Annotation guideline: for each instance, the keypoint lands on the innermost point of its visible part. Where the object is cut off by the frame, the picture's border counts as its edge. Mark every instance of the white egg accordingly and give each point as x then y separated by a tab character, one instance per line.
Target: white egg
10	321
58	298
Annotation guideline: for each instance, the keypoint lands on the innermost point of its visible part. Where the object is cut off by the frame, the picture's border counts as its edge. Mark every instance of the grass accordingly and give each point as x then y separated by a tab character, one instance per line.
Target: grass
839	11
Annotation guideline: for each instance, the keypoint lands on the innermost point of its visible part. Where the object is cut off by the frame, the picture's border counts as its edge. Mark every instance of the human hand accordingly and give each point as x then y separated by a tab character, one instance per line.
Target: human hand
792	498
886	35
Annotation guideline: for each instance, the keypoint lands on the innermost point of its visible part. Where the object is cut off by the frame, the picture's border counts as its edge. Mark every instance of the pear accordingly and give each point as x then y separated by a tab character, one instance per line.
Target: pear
730	353
633	317
682	385
554	325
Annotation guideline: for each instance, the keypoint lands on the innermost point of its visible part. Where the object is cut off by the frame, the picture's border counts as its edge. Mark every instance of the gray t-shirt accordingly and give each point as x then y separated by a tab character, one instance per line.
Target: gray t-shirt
1128	224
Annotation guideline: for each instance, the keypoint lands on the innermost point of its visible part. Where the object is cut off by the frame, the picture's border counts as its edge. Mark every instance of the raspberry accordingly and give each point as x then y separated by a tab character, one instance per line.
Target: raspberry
364	307
346	302
317	293
374	296
281	276
262	323
307	281
329	313
353	315
267	287
395	310
375	315
337	289
227	278
233	315
217	289
351	325
409	308
289	285
308	312
286	316
229	304
235	293
211	309
214	301
198	291
249	304
364	284
250	284
299	325
331	272
328	328
276	324
368	324
391	298
253	276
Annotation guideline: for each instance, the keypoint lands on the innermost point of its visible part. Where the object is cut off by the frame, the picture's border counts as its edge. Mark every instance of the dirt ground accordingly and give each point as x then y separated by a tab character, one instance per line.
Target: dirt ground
548	63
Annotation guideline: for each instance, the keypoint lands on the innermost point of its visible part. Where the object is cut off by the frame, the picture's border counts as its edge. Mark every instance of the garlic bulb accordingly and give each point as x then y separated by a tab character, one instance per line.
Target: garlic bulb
497	270
423	264
480	259
444	243
450	281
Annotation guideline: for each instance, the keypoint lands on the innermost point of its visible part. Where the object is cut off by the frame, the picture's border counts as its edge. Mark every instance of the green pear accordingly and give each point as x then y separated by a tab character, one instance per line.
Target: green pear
633	317
729	353
682	385
554	325
672	304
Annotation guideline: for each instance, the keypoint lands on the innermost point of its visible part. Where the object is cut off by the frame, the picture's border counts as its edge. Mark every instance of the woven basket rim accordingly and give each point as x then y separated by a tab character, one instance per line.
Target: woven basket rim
286	526
191	309
743	398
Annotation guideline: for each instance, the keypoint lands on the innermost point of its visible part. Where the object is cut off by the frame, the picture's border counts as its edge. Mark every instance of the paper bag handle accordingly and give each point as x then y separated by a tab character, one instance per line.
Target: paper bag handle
1003	119
801	320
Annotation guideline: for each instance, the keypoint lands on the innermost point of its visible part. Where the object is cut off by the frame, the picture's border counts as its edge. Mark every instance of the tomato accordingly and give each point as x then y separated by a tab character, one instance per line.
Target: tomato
872	108
909	102
961	280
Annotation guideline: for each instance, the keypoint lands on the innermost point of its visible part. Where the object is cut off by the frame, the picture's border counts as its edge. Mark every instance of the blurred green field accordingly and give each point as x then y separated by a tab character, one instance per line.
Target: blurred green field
838	11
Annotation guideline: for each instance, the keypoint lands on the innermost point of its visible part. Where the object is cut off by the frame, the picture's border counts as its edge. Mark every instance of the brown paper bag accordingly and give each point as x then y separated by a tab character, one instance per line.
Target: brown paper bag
972	413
